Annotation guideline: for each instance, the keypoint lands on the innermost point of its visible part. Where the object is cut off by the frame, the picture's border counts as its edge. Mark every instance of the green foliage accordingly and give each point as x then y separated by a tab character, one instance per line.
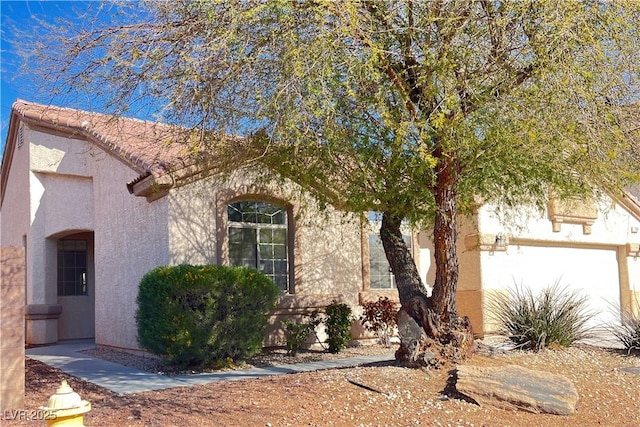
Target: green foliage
380	317
518	94
628	331
338	326
554	317
197	315
297	333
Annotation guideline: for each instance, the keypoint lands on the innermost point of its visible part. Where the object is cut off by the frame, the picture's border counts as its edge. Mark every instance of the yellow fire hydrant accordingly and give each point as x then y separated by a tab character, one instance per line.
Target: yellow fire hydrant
66	408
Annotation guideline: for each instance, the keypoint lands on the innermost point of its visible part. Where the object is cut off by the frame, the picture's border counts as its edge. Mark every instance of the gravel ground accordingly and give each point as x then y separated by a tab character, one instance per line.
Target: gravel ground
269	357
607	381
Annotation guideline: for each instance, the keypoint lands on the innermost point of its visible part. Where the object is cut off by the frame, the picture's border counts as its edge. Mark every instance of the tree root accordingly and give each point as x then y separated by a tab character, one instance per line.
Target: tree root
442	343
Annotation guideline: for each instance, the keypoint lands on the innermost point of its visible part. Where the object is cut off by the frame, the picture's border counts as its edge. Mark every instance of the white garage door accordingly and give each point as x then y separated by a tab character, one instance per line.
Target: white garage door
592	271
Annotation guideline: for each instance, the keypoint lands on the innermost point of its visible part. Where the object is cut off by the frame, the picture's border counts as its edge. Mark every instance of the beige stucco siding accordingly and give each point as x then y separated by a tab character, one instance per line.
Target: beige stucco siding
633	266
192	223
329	256
61	202
16	214
70	186
67	203
325	246
60	154
613	225
131	238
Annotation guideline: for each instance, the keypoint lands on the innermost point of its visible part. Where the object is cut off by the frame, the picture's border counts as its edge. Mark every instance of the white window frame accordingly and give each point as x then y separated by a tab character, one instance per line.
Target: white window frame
256	260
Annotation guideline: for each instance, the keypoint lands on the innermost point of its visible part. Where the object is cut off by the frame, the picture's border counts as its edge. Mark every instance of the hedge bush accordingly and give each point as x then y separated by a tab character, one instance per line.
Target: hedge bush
297	333
197	315
338	326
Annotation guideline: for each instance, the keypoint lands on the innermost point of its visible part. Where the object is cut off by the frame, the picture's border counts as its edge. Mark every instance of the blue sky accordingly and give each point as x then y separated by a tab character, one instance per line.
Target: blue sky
20	14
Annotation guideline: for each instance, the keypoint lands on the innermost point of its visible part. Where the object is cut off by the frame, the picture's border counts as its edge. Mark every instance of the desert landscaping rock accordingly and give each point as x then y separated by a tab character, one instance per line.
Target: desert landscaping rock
513	386
632	370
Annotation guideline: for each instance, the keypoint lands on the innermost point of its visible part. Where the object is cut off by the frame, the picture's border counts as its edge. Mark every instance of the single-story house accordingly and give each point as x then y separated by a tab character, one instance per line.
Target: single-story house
94	203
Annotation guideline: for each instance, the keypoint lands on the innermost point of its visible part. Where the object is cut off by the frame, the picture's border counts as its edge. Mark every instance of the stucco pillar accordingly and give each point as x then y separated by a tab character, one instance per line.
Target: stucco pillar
42	310
12	283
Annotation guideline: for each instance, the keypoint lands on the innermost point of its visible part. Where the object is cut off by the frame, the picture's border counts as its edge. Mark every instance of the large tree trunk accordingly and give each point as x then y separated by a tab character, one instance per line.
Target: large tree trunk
445	235
431	332
400	260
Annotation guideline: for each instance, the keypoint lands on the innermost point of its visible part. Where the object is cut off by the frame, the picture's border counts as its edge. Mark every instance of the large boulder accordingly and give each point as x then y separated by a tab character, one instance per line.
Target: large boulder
515	387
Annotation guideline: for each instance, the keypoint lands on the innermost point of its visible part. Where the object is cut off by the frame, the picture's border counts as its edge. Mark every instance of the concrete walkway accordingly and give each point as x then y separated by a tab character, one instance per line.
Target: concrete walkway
121	379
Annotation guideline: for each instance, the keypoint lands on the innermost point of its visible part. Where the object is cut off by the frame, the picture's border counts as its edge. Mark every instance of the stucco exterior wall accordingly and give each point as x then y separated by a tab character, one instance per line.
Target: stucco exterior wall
15	208
192	224
613	225
329	256
326	243
66	186
14	231
12	375
61	202
131	238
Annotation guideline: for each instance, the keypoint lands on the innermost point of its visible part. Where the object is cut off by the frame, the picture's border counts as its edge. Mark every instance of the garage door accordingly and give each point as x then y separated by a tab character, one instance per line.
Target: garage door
592	271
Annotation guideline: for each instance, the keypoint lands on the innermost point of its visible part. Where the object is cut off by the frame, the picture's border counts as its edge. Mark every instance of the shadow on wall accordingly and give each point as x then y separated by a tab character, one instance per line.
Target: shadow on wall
329	258
12	327
192	226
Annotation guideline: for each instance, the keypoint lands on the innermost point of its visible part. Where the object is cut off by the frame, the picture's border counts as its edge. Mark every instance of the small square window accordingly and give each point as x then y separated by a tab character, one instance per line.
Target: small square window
72	267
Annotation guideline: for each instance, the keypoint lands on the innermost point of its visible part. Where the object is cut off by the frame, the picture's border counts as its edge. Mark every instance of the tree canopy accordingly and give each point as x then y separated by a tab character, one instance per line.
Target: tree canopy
370	95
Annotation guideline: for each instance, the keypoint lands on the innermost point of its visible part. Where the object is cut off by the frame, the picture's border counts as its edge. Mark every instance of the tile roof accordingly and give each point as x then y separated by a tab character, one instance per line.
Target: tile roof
162	155
147	147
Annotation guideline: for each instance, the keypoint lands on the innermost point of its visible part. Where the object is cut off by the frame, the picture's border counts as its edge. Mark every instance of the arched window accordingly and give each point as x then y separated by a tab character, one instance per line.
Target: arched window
258	238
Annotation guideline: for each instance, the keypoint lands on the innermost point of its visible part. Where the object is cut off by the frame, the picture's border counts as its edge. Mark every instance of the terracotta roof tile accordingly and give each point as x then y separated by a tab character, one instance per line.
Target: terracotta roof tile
148	147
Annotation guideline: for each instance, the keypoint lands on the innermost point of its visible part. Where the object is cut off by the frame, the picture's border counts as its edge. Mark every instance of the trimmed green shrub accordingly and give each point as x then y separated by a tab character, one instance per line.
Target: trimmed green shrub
338	326
379	317
554	317
297	333
197	315
628	331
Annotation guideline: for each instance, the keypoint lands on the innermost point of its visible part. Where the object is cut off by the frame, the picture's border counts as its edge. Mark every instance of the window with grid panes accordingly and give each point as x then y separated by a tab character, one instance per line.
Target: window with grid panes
257	236
72	267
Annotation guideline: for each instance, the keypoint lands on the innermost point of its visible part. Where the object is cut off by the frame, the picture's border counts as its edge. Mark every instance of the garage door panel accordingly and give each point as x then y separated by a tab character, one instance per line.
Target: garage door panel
594	272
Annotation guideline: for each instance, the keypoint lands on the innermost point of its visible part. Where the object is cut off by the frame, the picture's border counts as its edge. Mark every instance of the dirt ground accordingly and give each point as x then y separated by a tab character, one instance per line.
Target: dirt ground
383	395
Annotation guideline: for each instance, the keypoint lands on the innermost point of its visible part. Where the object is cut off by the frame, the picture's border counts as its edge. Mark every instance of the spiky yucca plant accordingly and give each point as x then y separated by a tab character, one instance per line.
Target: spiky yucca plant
556	316
628	331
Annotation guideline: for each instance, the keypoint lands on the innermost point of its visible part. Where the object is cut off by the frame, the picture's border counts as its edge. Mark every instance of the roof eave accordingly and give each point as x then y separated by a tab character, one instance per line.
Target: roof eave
7	157
630	204
150	187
